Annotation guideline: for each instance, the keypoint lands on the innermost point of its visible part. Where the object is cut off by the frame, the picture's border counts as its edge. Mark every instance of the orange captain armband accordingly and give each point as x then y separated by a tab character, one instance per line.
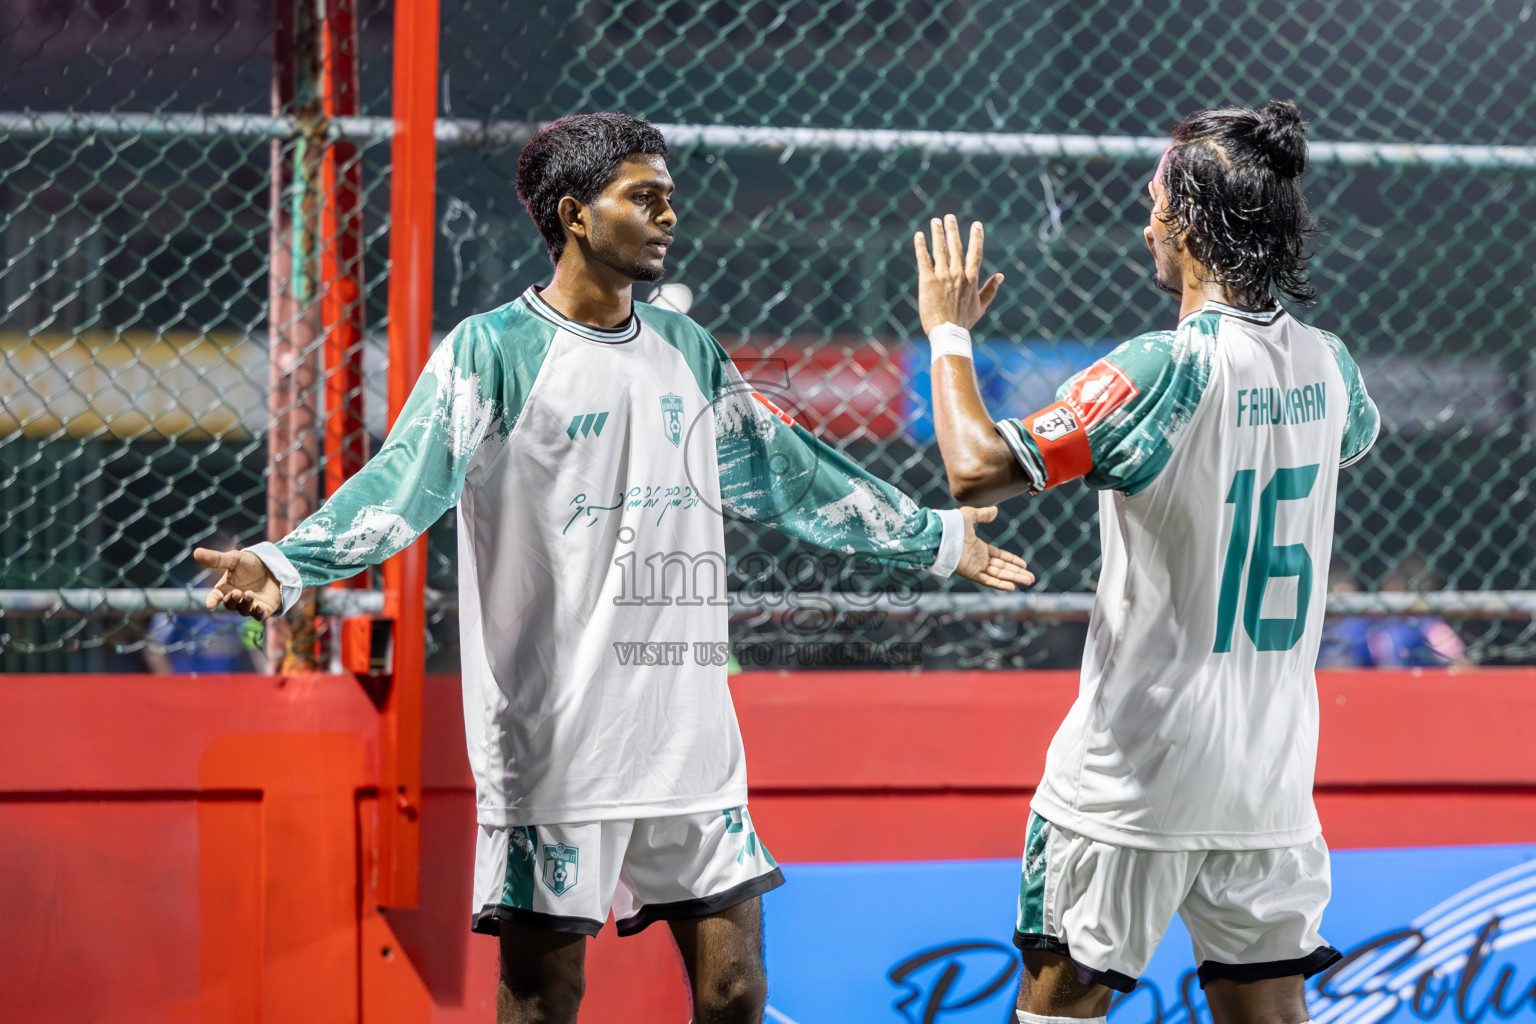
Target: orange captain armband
1061	430
1062	437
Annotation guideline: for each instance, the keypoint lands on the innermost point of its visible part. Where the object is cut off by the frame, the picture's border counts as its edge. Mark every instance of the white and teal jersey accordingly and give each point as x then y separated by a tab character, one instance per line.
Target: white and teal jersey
1216	449
590	469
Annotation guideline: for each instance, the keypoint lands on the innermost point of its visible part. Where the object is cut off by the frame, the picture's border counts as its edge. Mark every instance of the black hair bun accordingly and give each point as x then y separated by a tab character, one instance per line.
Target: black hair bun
1281	135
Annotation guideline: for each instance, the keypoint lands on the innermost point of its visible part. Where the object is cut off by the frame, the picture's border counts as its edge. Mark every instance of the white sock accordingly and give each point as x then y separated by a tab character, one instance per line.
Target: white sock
1025	1017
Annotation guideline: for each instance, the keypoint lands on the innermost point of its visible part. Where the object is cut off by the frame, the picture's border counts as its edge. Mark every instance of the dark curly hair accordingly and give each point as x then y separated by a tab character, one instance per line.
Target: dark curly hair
577	156
1233	184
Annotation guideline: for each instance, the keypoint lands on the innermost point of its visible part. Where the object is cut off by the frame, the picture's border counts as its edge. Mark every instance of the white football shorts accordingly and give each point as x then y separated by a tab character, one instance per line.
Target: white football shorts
566	877
1251	914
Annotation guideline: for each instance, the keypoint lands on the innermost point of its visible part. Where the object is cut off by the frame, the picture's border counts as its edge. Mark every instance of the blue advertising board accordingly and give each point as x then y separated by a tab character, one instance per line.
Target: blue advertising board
1016	377
1446	934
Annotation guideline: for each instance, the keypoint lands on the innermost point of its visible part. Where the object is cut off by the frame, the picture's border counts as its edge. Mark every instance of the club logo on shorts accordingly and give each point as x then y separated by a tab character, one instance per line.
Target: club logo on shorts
559	870
1057	423
672	418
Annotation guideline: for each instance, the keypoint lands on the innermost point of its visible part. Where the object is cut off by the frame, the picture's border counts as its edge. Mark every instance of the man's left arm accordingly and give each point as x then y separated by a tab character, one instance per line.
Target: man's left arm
772	470
1362	420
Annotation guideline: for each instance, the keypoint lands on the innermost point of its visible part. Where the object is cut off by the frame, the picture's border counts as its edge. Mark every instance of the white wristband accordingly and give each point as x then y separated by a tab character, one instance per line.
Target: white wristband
949	340
288	582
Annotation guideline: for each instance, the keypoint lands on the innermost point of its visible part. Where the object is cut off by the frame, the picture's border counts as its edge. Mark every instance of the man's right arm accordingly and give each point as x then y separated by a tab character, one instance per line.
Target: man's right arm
419	473
980	466
1111	423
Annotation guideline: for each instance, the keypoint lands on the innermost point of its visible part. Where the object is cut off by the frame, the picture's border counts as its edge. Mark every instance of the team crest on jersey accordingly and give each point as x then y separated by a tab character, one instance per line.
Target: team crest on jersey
1054	424
1101	390
560	866
672	418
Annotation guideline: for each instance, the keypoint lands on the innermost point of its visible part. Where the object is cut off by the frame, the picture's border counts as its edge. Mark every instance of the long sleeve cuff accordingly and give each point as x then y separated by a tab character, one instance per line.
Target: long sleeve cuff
288	577
951	544
1034	469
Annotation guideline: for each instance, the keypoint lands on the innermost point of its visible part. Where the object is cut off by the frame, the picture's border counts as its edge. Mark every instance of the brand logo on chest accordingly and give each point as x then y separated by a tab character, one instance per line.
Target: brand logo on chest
586	424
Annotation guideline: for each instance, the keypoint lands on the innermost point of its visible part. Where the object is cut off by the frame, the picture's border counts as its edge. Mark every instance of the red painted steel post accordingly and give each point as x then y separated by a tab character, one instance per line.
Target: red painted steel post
412	182
341	261
341	269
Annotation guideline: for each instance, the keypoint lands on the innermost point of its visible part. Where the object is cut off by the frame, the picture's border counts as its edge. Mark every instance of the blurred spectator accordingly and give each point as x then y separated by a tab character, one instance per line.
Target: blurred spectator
203	643
1391	641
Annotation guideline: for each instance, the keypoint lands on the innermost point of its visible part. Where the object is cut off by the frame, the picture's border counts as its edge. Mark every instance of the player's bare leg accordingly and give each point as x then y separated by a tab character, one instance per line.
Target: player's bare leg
1270	1001
542	975
1050	989
723	954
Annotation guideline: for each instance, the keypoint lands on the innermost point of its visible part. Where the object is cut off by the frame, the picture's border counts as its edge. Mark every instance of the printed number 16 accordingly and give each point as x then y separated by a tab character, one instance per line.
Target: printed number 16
1268	561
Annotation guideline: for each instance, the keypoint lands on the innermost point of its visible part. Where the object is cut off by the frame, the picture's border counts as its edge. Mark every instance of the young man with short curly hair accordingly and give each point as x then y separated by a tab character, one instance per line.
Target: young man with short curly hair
592	442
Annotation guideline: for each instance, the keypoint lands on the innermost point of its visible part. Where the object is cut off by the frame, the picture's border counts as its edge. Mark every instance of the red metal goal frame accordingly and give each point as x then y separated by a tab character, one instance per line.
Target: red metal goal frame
413	179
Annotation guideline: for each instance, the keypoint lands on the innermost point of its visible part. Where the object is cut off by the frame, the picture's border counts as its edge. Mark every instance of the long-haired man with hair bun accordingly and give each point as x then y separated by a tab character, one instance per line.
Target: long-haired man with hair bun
1181	780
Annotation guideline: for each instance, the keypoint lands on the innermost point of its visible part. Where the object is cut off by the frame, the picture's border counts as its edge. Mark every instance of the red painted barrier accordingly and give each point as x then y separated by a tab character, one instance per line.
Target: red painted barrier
185	848
869	766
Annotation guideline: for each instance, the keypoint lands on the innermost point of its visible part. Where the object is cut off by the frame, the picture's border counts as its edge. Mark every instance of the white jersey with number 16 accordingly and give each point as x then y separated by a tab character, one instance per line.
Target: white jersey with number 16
1216	449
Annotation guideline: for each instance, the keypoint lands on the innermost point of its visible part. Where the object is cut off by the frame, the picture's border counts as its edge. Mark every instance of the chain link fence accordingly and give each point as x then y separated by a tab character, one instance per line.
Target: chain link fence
809	140
160	179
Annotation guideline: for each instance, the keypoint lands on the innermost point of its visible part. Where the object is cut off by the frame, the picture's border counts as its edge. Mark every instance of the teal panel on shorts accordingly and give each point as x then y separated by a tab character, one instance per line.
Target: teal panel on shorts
522	867
1032	884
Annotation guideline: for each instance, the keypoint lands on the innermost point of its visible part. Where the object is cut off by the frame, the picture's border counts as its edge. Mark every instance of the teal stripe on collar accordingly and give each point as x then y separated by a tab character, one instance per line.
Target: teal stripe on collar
610	335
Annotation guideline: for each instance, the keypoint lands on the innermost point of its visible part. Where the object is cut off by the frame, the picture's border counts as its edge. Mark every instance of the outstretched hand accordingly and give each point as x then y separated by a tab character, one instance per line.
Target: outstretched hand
947	291
988	565
246	587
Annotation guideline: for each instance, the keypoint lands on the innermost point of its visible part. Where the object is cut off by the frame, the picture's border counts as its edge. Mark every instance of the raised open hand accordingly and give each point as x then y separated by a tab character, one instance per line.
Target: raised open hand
246	586
988	565
946	283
